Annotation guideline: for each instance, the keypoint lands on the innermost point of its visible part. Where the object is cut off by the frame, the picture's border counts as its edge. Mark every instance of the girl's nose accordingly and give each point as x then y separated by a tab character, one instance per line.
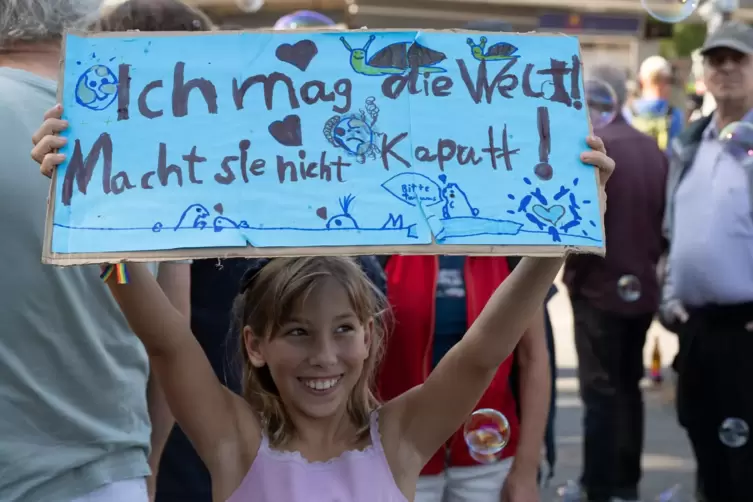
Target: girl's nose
323	352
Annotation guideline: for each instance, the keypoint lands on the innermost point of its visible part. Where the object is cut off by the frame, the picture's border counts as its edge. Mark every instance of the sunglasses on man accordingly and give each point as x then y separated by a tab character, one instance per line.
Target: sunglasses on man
719	58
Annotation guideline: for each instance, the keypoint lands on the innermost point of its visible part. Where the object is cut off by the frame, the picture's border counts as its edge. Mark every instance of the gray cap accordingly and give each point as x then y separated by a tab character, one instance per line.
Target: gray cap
730	35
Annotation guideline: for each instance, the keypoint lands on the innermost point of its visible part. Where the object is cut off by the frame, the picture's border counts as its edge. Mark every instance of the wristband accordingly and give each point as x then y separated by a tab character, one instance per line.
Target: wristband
119	270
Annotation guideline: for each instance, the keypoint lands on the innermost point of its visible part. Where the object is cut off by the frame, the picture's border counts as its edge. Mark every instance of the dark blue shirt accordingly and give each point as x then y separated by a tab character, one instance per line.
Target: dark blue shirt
451	321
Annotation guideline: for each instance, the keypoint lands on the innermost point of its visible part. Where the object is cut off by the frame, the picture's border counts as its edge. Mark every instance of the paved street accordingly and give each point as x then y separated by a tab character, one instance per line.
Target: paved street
667	459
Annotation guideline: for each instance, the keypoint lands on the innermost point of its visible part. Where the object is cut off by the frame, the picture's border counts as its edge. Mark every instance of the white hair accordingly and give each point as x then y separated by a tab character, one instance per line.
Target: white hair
40	20
655	66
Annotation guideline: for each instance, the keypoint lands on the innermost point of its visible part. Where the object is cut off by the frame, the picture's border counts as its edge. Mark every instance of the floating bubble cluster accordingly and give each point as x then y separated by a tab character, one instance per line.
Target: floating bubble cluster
738	139
303	19
570	492
670	11
734	432
629	288
602	103
486	433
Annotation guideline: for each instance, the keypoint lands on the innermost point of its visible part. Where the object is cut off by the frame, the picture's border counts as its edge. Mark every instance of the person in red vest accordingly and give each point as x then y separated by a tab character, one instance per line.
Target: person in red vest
434	300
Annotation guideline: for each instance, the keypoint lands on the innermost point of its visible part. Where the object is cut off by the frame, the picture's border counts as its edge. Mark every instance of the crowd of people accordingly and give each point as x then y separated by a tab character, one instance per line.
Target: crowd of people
274	379
680	232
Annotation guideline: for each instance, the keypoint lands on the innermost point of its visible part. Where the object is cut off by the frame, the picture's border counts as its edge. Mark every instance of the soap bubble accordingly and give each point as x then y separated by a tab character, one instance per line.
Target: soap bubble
570	492
734	432
250	6
629	288
485	458
670	11
602	103
673	494
486	433
303	19
738	139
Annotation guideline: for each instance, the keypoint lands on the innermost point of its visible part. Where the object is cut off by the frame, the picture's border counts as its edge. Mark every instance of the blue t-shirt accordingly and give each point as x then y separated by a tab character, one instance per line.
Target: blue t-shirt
451	320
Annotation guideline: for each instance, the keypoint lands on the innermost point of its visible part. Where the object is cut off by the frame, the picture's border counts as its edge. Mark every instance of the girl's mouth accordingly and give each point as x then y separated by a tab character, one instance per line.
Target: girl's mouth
320	386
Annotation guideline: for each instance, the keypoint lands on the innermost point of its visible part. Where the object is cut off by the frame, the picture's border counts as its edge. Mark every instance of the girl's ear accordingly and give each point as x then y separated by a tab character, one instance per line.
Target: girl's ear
253	348
368	333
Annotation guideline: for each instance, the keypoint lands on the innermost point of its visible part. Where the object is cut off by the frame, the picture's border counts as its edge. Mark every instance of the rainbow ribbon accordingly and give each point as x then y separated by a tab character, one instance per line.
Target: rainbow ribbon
119	270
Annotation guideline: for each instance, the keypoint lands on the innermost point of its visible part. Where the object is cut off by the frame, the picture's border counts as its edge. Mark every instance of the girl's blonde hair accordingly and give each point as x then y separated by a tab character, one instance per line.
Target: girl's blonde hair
268	299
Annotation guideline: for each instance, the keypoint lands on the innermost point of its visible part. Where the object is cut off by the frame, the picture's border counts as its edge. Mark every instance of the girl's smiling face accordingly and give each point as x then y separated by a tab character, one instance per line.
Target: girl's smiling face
317	355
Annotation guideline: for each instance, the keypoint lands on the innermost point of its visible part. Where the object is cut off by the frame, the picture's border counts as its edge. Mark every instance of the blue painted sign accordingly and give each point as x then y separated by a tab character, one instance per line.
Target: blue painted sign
417	141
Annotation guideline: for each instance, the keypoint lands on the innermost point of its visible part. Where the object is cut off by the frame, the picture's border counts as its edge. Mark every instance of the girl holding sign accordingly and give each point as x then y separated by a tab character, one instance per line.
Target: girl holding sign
308	427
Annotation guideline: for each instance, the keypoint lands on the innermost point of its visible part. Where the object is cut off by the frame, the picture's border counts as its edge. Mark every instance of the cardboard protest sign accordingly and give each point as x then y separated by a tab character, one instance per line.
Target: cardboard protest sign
187	145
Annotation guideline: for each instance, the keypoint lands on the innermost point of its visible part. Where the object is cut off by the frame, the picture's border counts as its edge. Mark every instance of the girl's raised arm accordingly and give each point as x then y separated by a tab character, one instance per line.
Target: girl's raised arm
203	407
426	416
205	410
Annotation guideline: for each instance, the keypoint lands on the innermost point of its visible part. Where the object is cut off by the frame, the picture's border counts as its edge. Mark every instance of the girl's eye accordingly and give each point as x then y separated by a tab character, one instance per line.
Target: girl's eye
297	332
345	328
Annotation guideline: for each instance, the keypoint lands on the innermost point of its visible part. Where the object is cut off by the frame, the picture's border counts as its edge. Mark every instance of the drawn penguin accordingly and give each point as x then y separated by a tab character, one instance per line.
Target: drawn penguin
456	203
344	219
221	223
199	214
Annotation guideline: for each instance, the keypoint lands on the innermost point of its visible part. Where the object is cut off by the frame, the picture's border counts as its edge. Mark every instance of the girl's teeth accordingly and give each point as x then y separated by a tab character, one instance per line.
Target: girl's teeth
321	384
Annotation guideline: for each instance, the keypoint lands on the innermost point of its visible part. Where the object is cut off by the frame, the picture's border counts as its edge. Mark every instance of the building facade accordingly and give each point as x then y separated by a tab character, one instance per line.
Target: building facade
615	31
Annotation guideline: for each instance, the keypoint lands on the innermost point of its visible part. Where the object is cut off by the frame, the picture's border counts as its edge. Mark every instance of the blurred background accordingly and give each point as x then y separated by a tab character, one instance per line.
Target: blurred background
617	31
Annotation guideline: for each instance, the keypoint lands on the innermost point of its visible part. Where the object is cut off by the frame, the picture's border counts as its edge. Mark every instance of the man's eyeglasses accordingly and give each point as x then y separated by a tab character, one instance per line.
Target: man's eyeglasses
717	59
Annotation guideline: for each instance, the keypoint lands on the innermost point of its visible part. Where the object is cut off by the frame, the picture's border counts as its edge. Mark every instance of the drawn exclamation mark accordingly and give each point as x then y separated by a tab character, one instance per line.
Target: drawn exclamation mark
543	170
575	84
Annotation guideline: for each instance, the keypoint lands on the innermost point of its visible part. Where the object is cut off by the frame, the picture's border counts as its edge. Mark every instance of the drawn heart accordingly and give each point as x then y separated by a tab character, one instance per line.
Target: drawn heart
287	131
299	54
322	213
442	178
218	207
551	214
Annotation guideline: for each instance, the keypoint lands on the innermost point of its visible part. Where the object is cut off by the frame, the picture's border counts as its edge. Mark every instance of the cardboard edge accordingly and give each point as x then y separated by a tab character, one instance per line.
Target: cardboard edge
152	34
63	259
71	259
47	253
601	193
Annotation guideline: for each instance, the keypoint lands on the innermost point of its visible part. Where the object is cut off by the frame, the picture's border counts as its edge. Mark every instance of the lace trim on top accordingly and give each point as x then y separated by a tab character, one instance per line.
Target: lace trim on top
295	456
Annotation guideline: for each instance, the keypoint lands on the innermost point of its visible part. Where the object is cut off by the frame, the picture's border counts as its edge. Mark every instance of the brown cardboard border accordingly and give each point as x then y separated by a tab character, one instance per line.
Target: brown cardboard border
68	259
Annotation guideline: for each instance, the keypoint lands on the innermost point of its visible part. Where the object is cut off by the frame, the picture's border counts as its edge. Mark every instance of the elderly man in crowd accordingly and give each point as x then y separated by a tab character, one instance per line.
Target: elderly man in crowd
71	430
614	300
651	112
708	296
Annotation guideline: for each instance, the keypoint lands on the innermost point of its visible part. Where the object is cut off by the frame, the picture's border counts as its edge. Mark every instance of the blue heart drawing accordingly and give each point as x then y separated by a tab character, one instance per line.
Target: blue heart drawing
442	178
551	214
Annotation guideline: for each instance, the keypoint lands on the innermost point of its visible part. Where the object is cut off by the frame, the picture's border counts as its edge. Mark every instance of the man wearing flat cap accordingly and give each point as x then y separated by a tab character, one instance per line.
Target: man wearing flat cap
708	292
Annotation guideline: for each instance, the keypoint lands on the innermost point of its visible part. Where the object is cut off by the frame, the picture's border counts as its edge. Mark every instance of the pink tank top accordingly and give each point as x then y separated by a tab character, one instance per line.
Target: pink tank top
354	476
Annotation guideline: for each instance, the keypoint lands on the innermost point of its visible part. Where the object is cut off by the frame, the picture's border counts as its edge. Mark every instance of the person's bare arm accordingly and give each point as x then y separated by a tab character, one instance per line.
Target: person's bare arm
432	412
424	417
162	421
205	410
175	281
535	393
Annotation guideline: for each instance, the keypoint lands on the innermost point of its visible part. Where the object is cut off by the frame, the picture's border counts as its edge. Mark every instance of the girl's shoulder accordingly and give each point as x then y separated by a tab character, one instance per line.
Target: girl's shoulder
403	459
234	459
249	427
